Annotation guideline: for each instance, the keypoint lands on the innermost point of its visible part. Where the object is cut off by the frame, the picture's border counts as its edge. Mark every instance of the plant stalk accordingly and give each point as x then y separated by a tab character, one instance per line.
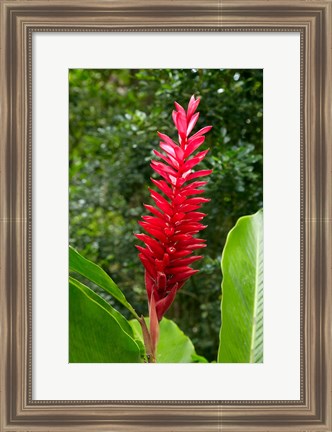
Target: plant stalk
150	352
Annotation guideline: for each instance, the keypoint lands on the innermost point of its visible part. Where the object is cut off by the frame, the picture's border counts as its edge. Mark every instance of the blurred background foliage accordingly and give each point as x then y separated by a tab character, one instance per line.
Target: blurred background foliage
114	118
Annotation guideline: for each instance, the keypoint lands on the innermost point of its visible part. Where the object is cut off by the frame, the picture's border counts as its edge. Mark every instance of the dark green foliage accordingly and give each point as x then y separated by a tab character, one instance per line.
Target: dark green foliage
114	117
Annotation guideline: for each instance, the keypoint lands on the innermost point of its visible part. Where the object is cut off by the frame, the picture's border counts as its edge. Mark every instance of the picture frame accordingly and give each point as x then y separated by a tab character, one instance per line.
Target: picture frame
19	20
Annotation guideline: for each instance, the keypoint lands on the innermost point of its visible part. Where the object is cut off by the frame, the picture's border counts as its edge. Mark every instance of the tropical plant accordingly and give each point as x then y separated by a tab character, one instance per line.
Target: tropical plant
241	333
113	116
170	240
99	332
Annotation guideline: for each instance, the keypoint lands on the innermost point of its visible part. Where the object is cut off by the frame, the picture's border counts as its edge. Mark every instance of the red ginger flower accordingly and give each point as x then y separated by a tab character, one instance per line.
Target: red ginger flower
170	241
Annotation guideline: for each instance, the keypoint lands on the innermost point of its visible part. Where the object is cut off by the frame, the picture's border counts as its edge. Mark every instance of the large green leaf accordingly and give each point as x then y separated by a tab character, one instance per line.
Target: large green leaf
97	275
241	334
173	345
97	332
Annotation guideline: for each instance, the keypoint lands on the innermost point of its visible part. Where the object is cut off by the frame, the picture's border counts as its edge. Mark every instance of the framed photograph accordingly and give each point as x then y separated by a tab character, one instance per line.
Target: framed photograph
201	134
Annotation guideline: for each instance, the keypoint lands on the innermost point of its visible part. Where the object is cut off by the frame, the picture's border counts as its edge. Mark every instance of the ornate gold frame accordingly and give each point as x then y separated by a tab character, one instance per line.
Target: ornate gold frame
19	19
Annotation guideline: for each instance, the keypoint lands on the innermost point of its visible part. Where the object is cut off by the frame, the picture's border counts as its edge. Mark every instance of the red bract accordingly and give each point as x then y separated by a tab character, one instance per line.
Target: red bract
175	219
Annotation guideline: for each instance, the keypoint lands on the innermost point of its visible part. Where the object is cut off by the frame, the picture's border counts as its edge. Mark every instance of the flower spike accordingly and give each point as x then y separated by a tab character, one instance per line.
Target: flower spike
170	239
